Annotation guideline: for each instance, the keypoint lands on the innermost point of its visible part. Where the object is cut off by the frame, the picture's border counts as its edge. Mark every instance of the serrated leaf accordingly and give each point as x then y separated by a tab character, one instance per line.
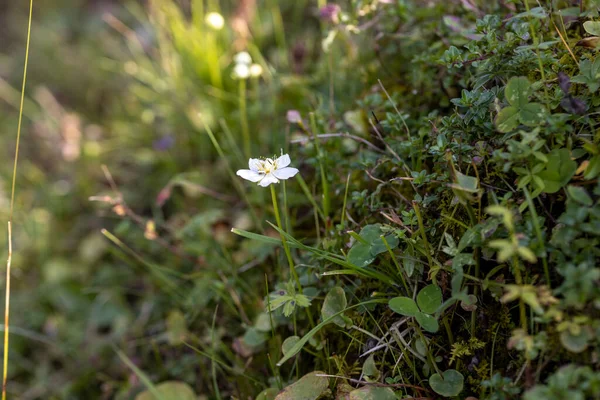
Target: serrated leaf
309	387
404	305
427	322
589	74
429	298
334	302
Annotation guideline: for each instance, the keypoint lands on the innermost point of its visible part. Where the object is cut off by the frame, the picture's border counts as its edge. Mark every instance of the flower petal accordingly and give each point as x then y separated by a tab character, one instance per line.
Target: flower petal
267	180
285	173
254	164
249	175
283	161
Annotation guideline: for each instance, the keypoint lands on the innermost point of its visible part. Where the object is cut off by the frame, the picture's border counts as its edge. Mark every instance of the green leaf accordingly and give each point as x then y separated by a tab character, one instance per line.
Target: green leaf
593	168
309	387
592	27
378	247
517	91
404	305
364	251
335	301
427	322
298	346
507	119
559	170
450	384
575	343
288	344
267	394
170	390
589	74
532	114
429	299
370	368
580	195
372	393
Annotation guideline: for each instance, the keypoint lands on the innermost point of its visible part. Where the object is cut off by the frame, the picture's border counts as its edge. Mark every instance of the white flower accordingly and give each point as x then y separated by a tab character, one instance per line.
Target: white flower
255	70
268	171
243	58
241	71
215	20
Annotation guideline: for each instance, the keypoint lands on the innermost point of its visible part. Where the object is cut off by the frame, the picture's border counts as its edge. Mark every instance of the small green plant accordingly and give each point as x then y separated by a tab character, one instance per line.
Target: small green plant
429	299
520	110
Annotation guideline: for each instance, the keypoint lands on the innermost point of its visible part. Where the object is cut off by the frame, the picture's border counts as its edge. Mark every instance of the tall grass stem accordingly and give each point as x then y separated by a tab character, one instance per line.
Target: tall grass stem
12	207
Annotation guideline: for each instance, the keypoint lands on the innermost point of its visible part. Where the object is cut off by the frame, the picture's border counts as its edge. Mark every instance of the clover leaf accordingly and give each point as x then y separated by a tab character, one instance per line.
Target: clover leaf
429	300
365	250
520	110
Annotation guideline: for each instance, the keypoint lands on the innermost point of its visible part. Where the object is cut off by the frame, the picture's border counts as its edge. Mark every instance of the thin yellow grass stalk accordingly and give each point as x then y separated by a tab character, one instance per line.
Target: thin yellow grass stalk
12	203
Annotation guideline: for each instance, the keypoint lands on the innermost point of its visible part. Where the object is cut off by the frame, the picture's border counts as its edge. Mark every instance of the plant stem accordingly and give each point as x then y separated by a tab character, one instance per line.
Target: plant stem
12	207
286	248
422	230
244	119
400	269
324	182
538	234
519	279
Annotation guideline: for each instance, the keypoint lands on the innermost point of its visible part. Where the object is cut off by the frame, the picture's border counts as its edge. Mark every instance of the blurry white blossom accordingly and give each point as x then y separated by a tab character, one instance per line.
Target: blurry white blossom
215	20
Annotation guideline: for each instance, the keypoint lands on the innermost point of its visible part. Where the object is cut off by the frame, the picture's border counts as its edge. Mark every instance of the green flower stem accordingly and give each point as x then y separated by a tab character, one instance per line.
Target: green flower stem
422	230
286	248
398	267
519	280
244	119
477	257
320	157
538	234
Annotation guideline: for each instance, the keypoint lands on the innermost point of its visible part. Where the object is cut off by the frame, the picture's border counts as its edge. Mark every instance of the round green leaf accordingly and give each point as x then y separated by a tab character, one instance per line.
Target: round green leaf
309	387
592	27
372	393
559	170
335	301
267	394
427	322
360	254
532	114
429	299
288	344
575	343
507	119
451	384
169	390
404	305
517	91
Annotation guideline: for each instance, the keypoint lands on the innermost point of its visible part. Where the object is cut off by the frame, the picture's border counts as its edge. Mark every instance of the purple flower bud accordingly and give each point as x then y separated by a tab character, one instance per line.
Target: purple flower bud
293	117
164	143
564	82
330	13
